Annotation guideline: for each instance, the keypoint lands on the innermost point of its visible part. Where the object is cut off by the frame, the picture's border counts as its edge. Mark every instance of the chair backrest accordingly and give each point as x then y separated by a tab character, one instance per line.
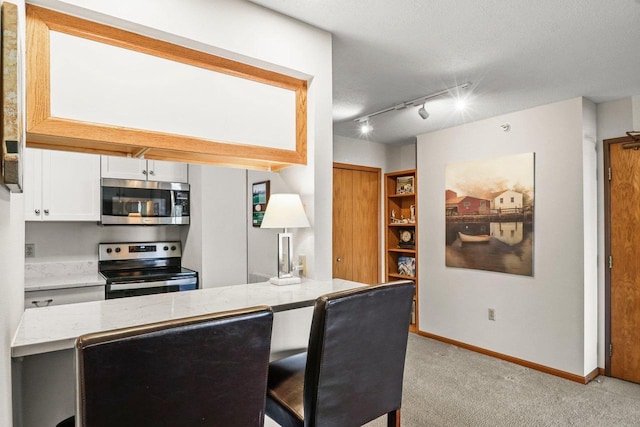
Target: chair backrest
206	370
356	355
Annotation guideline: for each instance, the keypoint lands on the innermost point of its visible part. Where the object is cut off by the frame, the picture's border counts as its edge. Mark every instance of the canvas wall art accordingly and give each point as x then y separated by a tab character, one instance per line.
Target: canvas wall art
489	212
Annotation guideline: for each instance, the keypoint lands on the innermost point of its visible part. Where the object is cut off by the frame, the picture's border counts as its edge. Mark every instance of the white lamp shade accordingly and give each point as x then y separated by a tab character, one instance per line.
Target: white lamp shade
284	211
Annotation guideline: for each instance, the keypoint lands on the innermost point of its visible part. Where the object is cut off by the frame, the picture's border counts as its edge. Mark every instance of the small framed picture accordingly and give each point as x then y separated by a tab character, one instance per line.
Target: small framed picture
404	184
260	191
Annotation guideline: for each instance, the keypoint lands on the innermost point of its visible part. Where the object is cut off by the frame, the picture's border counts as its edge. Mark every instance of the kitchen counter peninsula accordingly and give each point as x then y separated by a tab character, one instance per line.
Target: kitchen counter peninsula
49	329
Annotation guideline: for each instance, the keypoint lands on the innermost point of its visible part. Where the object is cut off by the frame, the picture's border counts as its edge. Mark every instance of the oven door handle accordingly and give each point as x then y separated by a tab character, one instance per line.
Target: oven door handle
140	285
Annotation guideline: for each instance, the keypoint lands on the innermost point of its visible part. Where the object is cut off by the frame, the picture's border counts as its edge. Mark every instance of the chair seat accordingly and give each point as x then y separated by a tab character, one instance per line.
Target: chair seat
285	403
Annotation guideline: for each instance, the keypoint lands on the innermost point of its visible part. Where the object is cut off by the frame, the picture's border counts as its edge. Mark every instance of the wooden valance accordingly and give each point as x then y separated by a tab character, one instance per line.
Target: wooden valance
46	130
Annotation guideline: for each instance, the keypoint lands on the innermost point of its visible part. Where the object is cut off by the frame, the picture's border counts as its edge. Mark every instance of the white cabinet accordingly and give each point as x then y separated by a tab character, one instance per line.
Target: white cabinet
33	299
61	186
140	169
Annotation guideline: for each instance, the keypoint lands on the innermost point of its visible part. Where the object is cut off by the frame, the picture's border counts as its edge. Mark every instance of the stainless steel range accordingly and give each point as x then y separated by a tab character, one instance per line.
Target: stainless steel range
133	269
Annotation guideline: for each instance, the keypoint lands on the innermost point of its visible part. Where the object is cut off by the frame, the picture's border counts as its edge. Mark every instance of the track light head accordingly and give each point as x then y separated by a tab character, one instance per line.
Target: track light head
365	126
423	113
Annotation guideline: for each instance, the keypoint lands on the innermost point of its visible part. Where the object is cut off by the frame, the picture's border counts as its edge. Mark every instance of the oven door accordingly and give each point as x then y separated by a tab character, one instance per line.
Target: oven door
132	289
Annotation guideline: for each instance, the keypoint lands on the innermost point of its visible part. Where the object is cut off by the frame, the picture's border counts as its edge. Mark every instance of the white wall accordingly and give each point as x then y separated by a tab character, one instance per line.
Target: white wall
360	152
590	183
216	239
11	289
388	157
401	157
541	318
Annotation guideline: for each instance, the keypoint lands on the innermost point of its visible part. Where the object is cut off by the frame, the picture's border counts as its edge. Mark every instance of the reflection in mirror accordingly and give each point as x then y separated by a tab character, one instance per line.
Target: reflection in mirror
284	255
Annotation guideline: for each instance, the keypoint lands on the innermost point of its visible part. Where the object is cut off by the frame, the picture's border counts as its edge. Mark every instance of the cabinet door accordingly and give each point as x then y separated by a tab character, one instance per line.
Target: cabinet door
167	171
70	186
123	167
33	185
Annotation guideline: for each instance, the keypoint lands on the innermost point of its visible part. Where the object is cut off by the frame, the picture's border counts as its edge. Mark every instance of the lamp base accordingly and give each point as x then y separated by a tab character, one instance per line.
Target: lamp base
285	280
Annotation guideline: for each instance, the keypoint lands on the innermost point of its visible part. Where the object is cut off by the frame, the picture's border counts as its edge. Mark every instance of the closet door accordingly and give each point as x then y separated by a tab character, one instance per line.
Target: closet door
356	226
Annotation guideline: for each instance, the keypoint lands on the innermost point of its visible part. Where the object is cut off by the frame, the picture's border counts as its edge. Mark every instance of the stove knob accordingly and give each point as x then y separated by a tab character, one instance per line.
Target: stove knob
109	250
117	250
166	248
173	248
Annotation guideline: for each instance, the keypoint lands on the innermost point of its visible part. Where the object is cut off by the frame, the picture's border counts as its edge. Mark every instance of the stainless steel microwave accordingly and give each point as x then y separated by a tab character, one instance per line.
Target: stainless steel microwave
133	202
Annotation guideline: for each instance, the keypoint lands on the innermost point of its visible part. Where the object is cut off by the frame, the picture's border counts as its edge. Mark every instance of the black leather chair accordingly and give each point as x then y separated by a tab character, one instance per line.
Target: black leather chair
353	369
207	370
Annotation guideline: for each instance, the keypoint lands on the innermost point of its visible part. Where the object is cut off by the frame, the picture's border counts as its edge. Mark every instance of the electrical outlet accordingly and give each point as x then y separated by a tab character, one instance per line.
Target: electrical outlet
29	250
302	262
492	314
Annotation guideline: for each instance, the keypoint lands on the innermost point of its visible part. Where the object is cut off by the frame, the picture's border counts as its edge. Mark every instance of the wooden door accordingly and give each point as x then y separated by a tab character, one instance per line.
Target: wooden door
624	273
356	226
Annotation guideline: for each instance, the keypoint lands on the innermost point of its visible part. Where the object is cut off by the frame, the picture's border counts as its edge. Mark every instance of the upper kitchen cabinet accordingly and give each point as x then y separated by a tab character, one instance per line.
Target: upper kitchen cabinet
61	186
100	89
140	169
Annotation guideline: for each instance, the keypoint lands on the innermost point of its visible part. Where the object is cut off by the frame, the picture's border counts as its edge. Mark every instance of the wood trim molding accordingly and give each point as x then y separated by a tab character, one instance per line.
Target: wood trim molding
547	370
45	131
337	165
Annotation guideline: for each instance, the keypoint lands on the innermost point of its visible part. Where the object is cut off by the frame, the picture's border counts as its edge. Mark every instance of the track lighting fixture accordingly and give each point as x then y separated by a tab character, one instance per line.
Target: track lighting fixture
423	113
365	127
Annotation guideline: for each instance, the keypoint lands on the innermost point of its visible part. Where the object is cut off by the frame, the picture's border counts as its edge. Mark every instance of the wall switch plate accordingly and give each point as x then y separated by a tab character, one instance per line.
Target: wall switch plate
492	314
29	250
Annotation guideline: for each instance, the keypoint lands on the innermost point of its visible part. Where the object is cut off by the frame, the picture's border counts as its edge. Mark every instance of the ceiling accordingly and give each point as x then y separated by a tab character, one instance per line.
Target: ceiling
516	54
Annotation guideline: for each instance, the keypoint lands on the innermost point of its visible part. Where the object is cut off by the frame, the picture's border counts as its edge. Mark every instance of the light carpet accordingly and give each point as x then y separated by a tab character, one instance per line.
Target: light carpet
447	386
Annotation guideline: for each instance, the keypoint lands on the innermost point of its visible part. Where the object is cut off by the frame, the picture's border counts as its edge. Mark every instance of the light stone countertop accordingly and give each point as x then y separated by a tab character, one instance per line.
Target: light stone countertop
60	275
46	329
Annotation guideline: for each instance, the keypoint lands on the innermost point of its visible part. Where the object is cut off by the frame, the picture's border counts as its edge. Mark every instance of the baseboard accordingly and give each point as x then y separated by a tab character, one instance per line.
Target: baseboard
517	361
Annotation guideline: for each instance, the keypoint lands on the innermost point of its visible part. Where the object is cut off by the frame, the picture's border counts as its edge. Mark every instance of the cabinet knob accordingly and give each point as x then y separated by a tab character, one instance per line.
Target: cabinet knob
151	172
37	211
144	172
46	211
339	259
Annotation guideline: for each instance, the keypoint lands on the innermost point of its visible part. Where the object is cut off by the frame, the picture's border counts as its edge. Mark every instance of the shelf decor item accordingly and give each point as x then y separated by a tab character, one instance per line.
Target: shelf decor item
260	191
407	266
407	239
404	184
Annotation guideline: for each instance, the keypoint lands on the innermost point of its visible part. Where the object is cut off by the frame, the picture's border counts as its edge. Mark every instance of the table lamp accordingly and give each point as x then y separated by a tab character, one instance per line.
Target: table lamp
284	211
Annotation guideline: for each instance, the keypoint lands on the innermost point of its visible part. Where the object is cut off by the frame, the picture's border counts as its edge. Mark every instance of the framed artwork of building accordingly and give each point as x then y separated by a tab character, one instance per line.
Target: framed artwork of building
489	207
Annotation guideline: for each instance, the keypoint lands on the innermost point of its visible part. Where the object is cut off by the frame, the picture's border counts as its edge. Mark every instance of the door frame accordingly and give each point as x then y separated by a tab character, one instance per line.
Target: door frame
607	143
378	172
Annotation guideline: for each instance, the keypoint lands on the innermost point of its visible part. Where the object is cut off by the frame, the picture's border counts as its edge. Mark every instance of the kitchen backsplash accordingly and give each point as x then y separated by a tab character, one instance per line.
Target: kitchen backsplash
78	241
42	270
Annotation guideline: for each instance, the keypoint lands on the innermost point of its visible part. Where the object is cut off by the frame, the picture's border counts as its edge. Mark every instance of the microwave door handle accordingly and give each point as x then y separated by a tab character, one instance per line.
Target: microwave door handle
173	202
